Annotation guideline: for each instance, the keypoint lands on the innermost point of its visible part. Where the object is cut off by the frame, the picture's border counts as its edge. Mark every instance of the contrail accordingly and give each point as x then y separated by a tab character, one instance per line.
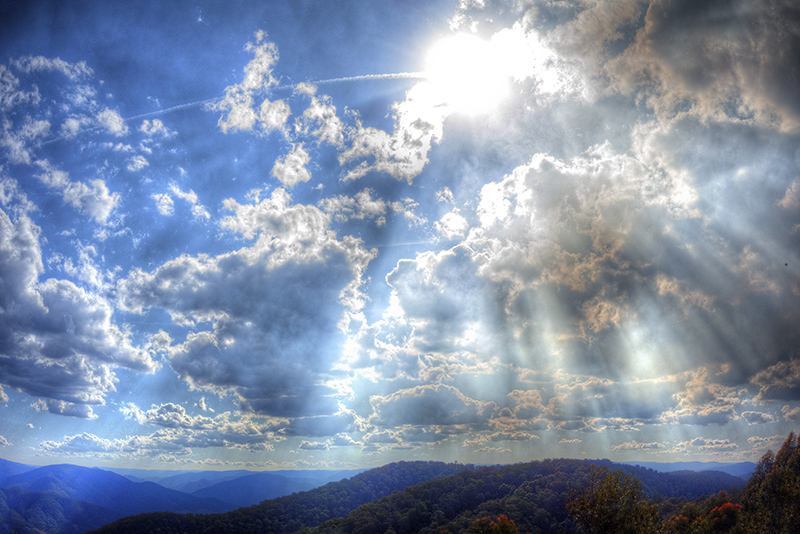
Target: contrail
363	77
395	76
173	108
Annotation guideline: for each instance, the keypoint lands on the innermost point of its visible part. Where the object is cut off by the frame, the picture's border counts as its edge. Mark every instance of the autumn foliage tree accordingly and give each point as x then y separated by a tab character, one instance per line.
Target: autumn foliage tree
487	525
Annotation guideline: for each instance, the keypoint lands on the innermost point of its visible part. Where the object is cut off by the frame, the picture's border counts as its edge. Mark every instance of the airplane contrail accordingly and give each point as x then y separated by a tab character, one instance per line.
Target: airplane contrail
363	77
395	76
173	108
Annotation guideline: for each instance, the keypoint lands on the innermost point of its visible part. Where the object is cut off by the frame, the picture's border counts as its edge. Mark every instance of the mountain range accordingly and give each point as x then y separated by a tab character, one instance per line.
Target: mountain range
70	499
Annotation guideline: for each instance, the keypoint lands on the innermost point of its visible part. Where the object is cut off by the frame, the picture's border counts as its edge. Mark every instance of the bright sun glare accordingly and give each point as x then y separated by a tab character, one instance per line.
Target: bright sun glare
467	74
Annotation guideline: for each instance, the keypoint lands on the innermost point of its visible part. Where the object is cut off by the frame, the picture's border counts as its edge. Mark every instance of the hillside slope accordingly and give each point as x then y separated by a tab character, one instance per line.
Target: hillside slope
534	495
109	490
291	513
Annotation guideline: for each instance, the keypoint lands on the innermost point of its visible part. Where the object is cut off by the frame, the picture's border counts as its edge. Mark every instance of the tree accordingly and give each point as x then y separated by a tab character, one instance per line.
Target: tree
771	502
485	525
614	503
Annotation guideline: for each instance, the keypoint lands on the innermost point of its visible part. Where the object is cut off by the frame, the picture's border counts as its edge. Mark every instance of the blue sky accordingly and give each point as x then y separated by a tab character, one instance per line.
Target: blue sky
289	234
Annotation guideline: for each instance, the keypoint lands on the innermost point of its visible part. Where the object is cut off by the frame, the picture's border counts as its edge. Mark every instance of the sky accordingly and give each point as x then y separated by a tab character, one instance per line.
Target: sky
309	234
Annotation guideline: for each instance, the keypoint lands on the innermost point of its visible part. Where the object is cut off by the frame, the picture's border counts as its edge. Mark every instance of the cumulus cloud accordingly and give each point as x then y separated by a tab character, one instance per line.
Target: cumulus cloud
292	169
452	225
4	442
313	446
198	210
755	418
430	405
11	93
155	128
718	57
790	414
263	321
94	200
73	71
58	341
164	203
239	105
137	163
113	122
59	407
404	153
780	381
636	446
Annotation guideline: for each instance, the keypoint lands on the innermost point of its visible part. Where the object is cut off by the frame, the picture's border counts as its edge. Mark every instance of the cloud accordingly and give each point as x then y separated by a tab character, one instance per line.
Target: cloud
73	71
164	204
155	128
319	119
4	442
57	340
59	407
342	440
94	200
167	415
19	144
291	169
11	95
264	321
430	405
452	225
113	122
313	446
198	210
715	445
404	153
790	414
780	381
238	104
755	418
718	57
137	163
636	446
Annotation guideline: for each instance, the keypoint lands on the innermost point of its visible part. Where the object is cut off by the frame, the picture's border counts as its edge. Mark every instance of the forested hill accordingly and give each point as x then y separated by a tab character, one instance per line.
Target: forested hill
535	494
291	513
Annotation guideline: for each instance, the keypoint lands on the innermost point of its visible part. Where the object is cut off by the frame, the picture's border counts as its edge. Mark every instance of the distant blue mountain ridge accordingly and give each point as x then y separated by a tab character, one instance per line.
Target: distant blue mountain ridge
70	499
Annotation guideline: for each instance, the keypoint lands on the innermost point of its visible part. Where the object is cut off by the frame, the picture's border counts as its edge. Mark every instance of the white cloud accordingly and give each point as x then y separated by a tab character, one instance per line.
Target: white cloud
164	203
155	128
94	200
291	169
249	312
73	71
59	341
111	120
4	442
238	105
452	225
137	163
59	407
636	446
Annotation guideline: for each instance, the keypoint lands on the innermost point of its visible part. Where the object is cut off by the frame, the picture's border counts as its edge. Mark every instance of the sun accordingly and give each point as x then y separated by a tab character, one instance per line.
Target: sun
467	74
